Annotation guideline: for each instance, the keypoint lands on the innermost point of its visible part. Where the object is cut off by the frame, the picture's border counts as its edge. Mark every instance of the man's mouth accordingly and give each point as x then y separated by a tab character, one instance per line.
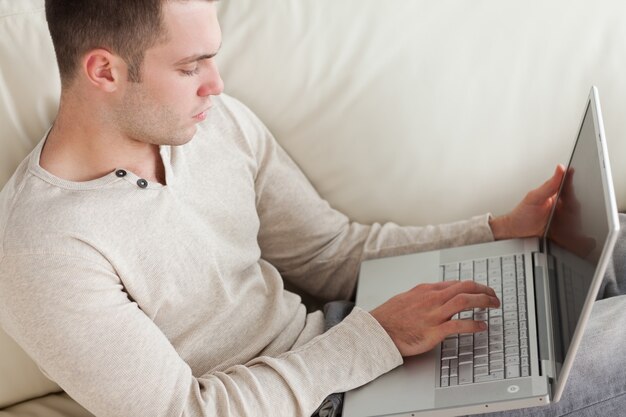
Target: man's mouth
202	115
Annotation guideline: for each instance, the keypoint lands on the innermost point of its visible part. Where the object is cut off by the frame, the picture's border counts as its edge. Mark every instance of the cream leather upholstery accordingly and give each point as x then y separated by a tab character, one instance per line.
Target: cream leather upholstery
412	111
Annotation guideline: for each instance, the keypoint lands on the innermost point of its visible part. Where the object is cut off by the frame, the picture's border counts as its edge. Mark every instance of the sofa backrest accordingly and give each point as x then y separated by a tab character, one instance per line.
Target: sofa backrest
421	111
411	111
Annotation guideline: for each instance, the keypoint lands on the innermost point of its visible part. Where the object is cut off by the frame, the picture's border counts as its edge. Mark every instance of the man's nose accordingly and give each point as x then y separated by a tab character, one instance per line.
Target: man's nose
212	84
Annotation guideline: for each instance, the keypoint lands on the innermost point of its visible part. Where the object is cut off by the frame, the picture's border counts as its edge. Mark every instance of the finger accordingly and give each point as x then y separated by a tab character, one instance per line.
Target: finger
548	188
461	326
468	287
442	285
466	301
437	286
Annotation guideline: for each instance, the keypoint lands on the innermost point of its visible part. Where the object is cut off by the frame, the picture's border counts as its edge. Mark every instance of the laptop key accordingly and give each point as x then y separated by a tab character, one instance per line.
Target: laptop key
510	307
454	380
449	354
464	350
454	366
511	340
496	347
497	374
482	342
496	366
480	316
495	328
466	314
480	351
499	356
444	381
466	340
511	361
452	343
512	371
481	361
511	350
485	378
466	373
466	358
480	371
511	324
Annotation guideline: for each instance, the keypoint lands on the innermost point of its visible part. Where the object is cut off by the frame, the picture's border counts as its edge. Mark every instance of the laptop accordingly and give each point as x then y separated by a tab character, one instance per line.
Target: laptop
546	286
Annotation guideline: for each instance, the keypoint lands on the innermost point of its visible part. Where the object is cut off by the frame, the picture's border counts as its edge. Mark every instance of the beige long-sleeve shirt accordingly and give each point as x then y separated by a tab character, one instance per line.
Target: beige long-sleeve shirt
169	300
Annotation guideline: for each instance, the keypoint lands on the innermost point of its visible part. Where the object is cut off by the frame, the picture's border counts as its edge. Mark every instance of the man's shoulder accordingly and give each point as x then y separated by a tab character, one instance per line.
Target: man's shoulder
36	216
230	125
9	198
231	115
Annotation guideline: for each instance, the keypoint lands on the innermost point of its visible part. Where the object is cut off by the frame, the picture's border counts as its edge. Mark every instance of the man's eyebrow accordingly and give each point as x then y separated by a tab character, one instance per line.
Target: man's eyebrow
197	57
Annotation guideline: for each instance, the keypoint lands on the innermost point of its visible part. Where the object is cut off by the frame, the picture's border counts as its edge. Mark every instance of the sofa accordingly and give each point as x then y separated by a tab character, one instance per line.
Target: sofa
410	111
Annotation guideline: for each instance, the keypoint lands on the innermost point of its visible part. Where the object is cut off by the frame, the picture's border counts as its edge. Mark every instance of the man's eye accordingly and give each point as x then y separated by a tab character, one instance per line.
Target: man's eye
189	73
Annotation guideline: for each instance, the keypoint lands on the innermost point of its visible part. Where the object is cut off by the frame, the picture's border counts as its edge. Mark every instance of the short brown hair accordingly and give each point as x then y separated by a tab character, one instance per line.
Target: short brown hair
124	27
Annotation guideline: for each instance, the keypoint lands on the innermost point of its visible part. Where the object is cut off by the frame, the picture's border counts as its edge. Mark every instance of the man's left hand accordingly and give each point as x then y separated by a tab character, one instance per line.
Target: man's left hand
530	216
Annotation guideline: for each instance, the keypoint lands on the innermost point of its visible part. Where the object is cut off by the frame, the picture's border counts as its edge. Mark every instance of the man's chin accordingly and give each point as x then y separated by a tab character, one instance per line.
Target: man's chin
185	137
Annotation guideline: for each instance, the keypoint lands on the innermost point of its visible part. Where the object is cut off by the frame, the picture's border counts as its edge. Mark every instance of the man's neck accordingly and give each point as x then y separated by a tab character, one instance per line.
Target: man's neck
79	152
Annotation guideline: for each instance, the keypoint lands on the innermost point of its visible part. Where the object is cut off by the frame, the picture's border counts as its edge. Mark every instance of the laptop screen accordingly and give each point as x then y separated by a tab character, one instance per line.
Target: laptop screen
576	234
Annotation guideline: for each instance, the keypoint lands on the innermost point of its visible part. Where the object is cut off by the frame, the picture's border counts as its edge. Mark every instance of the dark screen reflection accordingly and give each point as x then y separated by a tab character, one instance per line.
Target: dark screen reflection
576	233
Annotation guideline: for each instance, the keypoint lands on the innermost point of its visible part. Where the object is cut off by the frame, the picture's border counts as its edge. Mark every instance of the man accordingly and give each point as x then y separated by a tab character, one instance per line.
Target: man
146	239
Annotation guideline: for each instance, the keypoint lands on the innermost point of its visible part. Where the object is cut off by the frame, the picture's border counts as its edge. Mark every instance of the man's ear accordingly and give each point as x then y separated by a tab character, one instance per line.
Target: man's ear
104	70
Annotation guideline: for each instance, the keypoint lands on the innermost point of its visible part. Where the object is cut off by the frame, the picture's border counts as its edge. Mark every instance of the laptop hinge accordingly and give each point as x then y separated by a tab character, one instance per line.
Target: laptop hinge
543	316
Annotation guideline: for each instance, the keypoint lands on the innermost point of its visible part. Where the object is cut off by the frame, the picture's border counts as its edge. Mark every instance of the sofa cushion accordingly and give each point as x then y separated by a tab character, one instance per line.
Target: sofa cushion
53	405
20	378
29	81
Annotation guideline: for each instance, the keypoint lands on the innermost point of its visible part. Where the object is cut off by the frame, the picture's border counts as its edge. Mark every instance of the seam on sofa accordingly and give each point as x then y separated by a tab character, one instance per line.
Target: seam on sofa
55	393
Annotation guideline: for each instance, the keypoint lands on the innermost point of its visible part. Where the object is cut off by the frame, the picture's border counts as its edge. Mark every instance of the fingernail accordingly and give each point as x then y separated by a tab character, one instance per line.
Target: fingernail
482	325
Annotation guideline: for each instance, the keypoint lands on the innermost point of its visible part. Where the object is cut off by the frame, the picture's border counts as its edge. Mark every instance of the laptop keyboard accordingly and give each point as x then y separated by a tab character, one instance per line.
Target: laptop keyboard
501	351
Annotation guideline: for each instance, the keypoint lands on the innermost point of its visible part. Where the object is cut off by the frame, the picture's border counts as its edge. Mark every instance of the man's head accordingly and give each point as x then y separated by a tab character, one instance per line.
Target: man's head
147	64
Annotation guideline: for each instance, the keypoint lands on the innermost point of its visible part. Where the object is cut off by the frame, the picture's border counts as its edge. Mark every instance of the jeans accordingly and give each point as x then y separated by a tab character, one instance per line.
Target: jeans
334	312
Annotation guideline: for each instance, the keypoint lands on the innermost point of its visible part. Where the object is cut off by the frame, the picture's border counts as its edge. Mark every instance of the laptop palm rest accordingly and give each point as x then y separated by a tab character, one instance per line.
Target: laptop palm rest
405	389
409	387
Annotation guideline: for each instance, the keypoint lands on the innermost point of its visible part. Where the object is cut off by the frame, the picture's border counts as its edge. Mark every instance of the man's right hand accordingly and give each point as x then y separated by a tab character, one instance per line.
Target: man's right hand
420	318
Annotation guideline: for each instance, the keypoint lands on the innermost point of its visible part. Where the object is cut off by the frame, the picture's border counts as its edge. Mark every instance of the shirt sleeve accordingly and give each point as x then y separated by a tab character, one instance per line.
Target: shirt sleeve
317	248
74	318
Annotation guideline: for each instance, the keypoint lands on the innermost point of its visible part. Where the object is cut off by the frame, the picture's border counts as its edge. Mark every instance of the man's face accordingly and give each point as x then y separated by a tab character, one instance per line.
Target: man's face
178	77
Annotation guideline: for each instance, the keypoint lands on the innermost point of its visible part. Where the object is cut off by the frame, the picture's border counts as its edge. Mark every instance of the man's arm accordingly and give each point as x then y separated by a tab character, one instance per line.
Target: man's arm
315	247
320	250
74	318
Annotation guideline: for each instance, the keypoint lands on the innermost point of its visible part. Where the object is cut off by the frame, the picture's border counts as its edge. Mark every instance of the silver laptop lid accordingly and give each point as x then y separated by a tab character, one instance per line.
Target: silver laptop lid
579	239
